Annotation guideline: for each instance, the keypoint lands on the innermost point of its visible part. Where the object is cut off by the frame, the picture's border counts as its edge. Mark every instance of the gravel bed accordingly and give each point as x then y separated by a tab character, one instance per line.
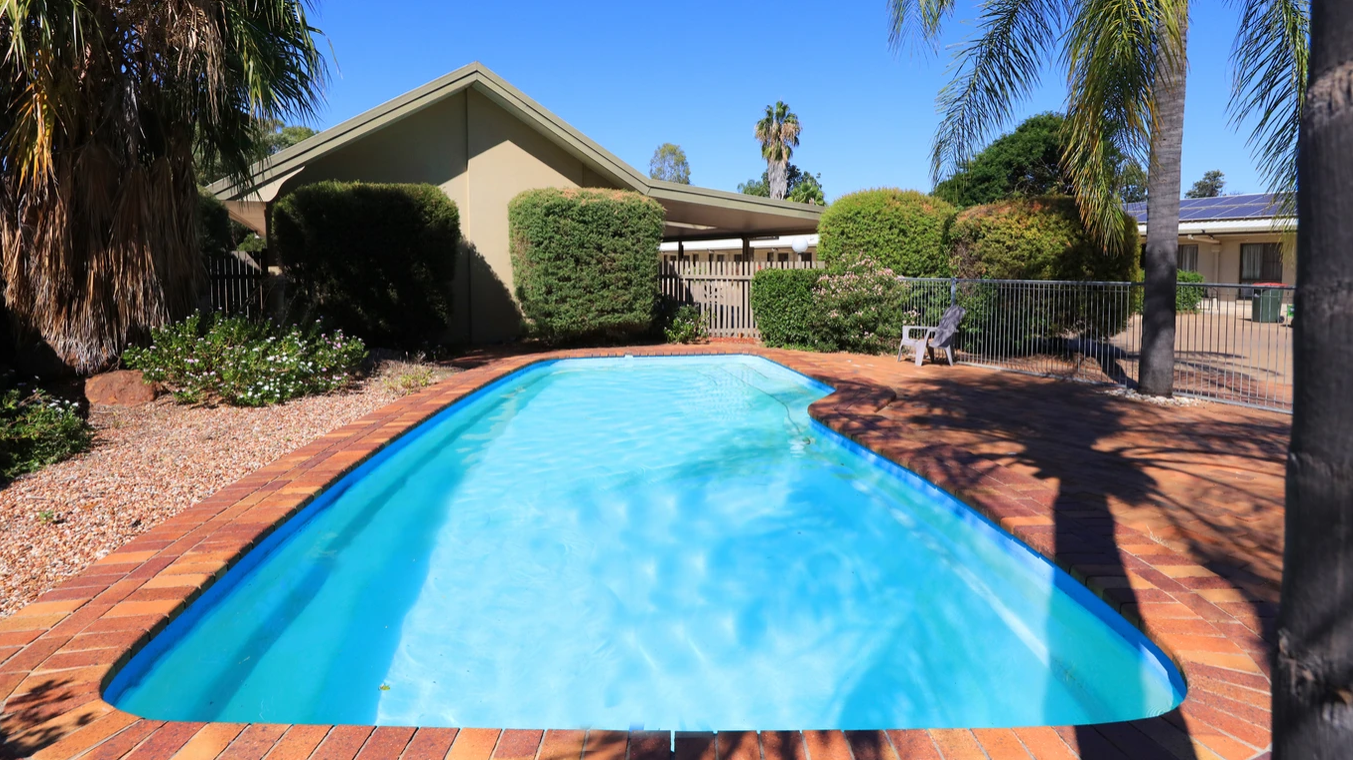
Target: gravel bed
150	462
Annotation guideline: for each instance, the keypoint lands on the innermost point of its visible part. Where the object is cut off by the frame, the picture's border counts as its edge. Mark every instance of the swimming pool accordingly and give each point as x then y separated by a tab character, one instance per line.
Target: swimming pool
666	543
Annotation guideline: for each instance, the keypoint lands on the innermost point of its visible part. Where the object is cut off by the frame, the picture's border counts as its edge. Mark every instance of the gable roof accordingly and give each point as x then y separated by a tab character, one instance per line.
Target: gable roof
693	212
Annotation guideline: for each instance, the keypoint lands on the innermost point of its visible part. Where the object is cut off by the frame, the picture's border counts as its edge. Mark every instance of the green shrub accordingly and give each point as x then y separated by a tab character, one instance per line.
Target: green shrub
687	325
783	306
585	263
214	233
1188	299
37	429
1034	239
244	363
373	260
857	310
902	230
1037	239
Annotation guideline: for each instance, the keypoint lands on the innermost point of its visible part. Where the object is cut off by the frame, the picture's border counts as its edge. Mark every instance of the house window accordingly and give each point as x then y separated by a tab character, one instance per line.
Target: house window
1261	262
1187	260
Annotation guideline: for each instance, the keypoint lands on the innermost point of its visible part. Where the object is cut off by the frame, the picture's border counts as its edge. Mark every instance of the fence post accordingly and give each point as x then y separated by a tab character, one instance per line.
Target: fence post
953	291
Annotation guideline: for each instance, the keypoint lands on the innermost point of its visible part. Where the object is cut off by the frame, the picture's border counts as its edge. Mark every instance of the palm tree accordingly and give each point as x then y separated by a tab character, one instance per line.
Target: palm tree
1126	69
102	108
778	134
1313	665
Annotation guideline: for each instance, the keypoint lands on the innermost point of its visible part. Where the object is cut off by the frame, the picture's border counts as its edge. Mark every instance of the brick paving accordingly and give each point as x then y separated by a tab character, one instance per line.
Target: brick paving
1171	515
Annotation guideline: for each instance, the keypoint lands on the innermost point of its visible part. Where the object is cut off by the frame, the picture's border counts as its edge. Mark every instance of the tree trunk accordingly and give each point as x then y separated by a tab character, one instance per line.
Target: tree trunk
1156	374
776	177
1313	667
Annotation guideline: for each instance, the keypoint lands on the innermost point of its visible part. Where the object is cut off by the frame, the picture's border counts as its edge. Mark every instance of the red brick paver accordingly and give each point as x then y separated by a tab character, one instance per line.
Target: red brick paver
1173	516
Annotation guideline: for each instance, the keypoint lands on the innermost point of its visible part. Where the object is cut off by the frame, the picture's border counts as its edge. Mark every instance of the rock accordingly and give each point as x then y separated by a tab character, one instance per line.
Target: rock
124	387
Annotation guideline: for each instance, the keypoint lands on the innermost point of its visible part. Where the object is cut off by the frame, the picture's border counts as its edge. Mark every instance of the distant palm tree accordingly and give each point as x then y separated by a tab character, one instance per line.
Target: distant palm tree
778	134
102	107
1126	69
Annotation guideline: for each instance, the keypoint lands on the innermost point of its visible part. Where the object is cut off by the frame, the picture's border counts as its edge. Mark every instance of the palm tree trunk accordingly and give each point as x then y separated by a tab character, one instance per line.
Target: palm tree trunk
1313	667
776	178
1156	376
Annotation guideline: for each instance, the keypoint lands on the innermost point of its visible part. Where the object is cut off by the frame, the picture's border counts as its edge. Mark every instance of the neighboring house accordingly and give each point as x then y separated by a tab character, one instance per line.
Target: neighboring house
777	248
483	141
1234	239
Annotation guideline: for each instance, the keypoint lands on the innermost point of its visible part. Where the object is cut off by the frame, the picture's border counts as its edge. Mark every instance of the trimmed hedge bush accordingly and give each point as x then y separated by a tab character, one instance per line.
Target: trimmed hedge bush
372	260
1188	299
783	306
1034	239
903	230
585	263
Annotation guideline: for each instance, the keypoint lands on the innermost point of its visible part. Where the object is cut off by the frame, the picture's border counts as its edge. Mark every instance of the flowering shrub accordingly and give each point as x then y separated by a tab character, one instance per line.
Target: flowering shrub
244	363
858	309
37	429
687	325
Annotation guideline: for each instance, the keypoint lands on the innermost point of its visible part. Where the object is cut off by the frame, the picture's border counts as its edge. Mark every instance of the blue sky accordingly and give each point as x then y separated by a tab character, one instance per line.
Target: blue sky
634	74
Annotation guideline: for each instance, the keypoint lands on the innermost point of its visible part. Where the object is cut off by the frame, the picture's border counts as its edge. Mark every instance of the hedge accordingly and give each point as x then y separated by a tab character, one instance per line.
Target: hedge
1035	239
1188	299
903	230
783	306
373	260
1038	239
585	263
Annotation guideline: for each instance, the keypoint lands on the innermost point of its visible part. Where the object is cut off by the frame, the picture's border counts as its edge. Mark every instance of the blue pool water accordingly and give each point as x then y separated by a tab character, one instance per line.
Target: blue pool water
667	543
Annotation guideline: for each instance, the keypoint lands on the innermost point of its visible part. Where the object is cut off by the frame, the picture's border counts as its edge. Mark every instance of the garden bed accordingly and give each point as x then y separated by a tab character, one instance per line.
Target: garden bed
150	462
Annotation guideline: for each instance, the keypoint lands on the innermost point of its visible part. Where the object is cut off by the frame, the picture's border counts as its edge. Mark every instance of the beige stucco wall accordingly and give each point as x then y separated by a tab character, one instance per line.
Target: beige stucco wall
1220	261
481	156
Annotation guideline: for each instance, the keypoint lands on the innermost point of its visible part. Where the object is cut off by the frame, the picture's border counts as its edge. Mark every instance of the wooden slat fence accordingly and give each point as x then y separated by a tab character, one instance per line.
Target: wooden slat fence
722	290
236	284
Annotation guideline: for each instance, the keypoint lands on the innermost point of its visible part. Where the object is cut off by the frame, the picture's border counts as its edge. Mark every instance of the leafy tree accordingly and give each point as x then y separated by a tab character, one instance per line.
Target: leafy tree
669	164
802	186
1027	163
1126	64
270	136
778	133
808	190
1313	659
1210	186
102	107
1134	182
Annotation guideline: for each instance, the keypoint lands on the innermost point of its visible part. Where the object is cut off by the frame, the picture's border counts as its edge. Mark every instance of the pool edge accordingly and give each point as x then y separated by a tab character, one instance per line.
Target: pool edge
56	700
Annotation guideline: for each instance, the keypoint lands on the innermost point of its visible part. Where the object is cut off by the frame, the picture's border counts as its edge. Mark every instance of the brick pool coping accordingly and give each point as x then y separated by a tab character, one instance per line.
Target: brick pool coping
57	653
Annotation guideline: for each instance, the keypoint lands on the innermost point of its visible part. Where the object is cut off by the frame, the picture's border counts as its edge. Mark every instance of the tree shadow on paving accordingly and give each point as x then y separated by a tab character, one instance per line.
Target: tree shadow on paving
1216	487
1057	435
22	729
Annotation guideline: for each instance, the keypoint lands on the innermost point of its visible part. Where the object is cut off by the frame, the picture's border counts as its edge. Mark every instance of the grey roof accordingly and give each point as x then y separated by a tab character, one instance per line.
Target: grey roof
1251	206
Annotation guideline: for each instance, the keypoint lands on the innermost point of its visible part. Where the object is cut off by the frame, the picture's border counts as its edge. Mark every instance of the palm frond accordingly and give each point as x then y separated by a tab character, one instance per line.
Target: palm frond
992	74
1115	52
917	20
1268	75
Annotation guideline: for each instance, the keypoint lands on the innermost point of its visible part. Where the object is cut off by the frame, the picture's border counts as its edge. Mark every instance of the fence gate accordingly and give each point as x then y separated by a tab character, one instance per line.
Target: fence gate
722	290
235	282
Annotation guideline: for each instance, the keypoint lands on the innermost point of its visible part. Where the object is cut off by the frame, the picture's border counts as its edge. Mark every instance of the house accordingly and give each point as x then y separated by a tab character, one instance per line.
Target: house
771	248
482	141
1234	238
